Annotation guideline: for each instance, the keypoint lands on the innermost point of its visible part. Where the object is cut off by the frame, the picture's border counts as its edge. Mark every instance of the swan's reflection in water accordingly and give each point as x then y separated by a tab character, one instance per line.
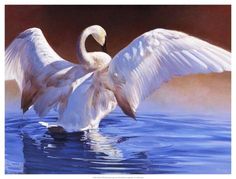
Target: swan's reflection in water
93	141
99	143
74	153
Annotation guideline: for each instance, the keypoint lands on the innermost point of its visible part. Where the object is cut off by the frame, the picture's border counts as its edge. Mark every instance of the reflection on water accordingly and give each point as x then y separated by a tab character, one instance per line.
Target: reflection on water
155	143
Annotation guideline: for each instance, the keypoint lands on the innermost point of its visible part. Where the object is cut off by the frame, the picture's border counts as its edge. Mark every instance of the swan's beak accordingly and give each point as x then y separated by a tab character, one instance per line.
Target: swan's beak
104	47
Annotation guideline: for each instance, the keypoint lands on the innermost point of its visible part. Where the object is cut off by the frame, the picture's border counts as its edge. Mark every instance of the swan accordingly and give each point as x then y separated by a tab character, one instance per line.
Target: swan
85	93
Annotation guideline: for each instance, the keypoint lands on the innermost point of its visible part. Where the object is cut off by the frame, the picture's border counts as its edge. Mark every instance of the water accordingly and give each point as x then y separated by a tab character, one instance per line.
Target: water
154	144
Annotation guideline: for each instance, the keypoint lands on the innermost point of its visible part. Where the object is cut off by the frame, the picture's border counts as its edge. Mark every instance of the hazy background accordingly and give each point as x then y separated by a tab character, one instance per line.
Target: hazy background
62	24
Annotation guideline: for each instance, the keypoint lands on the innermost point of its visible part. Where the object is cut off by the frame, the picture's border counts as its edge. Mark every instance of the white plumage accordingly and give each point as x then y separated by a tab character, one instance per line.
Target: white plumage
85	93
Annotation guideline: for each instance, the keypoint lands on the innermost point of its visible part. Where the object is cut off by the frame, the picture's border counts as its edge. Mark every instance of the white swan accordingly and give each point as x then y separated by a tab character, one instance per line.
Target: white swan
84	93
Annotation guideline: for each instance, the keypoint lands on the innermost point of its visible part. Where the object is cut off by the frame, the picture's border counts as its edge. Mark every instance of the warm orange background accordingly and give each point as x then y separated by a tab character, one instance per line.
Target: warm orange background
62	25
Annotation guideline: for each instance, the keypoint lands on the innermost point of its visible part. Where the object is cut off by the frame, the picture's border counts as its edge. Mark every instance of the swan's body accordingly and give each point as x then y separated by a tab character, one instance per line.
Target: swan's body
85	93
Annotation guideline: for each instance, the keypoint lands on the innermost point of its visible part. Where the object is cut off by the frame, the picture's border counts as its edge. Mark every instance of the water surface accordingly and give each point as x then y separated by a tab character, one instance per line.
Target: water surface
155	143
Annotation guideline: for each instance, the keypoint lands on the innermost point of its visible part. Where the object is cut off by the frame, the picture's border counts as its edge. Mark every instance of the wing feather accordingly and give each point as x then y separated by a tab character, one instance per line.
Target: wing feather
154	58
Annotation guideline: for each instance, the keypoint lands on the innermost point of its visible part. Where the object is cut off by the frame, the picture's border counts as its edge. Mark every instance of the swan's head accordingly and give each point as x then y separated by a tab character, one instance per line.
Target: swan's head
96	60
99	34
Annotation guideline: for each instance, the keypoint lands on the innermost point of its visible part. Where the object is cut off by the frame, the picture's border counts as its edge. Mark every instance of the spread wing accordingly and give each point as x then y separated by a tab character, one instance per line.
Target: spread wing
154	58
44	78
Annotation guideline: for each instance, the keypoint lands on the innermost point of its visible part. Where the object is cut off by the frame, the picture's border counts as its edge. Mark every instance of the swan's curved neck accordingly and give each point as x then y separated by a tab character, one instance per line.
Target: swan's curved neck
82	53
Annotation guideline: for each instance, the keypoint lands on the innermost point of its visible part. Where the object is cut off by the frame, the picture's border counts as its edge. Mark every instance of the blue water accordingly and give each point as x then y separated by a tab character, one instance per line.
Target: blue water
153	144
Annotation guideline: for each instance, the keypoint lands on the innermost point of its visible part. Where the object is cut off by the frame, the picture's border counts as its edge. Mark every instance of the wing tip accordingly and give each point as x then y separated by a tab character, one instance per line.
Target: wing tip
130	113
125	105
28	32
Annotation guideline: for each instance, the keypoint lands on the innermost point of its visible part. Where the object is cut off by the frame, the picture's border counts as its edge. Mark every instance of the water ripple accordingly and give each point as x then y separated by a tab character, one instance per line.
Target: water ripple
155	143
